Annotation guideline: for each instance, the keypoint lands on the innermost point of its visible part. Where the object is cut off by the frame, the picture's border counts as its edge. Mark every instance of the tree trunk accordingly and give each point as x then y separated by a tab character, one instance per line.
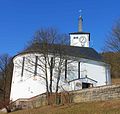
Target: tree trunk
47	89
51	74
58	79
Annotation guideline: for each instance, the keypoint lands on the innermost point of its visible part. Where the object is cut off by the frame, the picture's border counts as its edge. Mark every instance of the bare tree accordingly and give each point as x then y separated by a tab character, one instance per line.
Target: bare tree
52	56
5	72
113	41
113	59
111	50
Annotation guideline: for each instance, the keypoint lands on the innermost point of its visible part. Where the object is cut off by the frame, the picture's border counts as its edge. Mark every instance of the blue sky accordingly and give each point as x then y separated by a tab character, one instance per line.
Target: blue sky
19	19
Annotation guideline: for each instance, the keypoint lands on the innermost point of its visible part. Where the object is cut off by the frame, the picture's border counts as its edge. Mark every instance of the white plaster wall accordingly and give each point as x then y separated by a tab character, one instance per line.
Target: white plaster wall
95	71
108	75
72	70
30	85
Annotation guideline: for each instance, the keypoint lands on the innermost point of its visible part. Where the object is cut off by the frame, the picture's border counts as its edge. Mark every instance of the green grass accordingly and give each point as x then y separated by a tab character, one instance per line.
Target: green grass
106	107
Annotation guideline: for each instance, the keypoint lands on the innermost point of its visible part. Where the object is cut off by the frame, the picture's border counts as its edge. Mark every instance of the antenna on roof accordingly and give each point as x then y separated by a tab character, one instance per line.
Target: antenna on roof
80	20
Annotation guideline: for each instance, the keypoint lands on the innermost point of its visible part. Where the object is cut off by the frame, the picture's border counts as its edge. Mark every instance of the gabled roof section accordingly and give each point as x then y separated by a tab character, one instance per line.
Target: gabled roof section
81	52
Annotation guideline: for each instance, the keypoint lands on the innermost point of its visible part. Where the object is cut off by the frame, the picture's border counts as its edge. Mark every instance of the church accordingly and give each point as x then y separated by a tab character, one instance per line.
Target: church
78	67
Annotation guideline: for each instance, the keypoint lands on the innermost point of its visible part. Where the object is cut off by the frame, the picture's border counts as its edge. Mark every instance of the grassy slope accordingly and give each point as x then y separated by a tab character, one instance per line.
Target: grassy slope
106	107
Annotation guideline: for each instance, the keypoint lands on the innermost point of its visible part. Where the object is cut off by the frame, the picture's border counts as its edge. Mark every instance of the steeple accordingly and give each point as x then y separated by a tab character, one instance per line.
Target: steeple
80	21
80	38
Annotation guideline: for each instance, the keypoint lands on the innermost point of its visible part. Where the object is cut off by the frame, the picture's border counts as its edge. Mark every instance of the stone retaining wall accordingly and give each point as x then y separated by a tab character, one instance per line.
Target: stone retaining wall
101	93
96	94
36	101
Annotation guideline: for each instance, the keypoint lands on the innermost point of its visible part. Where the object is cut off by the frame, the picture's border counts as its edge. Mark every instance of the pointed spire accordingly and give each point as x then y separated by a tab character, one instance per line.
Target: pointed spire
80	21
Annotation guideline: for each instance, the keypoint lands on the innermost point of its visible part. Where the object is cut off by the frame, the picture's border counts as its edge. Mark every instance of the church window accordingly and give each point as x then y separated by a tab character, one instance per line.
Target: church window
23	62
36	62
78	70
65	69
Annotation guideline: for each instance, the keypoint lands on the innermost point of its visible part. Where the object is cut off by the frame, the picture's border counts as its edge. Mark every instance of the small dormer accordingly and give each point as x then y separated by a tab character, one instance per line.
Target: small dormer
80	38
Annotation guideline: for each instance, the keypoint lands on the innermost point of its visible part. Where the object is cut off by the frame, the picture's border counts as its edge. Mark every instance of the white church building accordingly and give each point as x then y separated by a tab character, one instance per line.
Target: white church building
82	67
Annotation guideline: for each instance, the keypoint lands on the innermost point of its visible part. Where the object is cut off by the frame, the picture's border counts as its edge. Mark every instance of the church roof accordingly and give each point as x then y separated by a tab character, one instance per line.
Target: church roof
82	52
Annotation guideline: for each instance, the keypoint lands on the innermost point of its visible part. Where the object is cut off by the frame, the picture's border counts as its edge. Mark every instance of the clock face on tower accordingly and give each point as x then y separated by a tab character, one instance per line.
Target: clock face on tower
82	39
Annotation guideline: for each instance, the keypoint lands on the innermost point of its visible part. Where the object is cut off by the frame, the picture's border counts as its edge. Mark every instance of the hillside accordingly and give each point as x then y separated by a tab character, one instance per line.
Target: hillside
101	107
113	59
106	107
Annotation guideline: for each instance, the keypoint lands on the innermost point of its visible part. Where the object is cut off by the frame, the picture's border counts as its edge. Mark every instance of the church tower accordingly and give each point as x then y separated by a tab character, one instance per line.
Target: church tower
80	38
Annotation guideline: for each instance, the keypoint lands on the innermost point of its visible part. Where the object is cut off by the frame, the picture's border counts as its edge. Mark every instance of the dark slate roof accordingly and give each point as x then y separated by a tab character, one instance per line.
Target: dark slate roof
82	52
85	52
